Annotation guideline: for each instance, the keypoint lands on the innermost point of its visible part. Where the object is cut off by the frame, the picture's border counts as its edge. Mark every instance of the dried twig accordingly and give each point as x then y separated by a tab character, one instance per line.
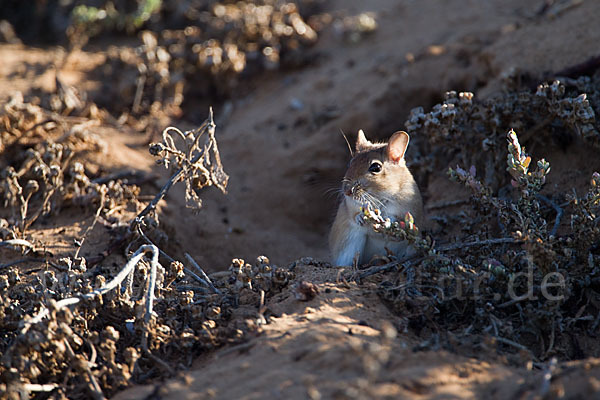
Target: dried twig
511	302
55	181
96	216
115	282
17	242
557	208
389	266
171	259
206	278
511	343
36	387
148	314
456	246
93	386
161	194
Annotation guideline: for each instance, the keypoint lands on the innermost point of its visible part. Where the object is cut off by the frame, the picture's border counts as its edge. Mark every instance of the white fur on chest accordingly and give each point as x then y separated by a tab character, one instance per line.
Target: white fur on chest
362	239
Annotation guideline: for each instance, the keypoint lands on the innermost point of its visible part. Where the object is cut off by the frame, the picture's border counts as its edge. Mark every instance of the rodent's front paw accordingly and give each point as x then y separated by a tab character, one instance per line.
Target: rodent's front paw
358	218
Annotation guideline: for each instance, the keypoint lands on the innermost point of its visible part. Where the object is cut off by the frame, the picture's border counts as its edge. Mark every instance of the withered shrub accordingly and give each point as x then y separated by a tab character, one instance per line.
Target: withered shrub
524	273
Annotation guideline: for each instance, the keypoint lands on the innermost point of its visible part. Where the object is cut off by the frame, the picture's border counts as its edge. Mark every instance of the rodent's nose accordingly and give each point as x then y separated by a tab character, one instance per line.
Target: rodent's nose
347	189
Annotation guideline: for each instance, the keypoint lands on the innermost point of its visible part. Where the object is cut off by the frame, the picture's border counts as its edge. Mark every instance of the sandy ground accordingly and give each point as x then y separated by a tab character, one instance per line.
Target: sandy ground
283	150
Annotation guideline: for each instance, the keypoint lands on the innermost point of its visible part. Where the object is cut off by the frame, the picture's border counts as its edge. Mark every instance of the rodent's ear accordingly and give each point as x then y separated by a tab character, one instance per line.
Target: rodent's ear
362	143
397	146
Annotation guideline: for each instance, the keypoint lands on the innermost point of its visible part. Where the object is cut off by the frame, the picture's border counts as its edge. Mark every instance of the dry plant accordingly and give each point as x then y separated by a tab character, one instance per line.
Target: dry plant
89	21
468	131
96	336
199	163
529	279
78	332
222	43
43	172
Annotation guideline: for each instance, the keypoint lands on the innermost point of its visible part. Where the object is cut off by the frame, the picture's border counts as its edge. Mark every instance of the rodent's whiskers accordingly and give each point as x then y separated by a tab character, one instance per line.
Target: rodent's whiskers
361	195
365	197
374	201
384	200
334	191
348	143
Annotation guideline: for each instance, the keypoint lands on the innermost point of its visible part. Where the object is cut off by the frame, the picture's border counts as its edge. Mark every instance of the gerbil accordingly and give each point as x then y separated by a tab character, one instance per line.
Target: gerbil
377	175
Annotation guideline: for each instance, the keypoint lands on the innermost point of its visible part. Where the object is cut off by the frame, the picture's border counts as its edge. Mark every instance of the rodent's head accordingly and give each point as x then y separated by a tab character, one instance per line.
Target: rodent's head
377	171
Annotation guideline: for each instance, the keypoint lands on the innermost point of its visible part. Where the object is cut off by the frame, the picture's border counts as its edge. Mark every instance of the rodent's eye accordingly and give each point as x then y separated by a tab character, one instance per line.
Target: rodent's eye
375	167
